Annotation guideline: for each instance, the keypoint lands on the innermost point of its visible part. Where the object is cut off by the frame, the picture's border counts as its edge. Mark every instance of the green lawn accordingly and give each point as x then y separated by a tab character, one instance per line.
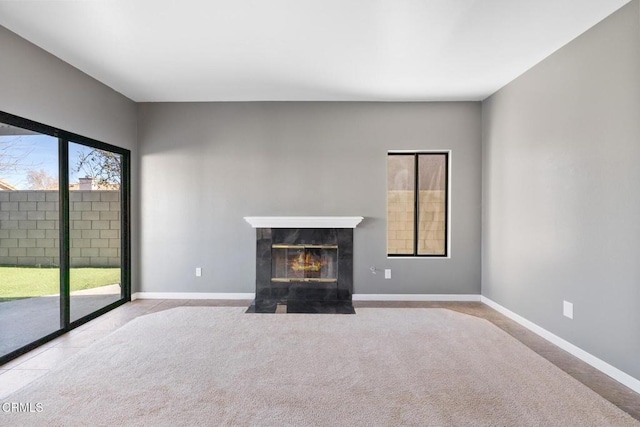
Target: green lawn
23	282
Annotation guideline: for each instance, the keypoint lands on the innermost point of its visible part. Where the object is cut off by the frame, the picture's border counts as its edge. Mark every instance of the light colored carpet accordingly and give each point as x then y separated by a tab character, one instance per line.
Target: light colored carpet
218	366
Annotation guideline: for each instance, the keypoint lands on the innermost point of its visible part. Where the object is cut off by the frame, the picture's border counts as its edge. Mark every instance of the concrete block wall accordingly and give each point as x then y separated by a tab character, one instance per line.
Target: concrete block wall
431	222
400	212
95	228
29	228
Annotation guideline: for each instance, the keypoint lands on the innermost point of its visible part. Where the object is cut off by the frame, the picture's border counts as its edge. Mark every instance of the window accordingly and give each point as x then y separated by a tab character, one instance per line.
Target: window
417	204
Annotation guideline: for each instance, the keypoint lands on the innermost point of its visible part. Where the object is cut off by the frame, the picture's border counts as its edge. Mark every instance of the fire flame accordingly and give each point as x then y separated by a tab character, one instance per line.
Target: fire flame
307	262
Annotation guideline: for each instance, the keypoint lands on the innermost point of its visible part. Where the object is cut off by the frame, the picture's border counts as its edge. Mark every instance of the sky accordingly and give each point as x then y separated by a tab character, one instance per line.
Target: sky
36	152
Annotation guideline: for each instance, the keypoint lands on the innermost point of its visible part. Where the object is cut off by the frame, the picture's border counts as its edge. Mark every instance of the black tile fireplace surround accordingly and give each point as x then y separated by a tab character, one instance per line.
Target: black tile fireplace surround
305	270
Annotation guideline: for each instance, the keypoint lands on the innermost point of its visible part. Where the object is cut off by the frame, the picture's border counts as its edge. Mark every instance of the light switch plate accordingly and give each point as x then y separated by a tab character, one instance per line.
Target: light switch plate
387	273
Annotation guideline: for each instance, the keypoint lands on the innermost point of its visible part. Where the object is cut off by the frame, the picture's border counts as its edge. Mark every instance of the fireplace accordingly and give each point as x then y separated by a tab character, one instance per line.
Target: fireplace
304	264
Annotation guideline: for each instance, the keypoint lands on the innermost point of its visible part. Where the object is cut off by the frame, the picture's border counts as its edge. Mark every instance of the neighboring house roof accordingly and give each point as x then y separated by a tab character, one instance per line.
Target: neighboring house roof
5	186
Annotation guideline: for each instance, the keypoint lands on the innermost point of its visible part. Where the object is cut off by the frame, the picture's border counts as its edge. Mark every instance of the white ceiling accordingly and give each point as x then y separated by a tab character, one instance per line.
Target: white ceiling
343	50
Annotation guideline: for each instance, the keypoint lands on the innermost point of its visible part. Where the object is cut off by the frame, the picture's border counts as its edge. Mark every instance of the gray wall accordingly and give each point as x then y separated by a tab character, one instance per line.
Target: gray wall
38	86
561	205
205	165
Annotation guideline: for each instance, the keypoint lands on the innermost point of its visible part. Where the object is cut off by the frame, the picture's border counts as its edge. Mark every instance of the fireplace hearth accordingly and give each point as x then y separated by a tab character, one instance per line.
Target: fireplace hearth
304	269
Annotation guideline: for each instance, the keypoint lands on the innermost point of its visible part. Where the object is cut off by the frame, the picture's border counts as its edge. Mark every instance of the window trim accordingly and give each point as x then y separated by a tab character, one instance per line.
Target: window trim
447	237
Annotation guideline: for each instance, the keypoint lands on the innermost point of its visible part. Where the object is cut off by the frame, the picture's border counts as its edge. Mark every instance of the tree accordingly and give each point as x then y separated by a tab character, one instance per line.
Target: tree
12	154
103	166
41	180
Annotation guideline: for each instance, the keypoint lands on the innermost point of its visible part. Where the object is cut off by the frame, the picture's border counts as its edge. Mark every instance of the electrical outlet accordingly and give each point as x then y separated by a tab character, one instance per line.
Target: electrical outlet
567	309
198	272
387	273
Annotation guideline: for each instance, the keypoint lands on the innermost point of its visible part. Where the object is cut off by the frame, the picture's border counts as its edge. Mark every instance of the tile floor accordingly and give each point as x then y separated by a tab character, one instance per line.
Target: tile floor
39	316
28	367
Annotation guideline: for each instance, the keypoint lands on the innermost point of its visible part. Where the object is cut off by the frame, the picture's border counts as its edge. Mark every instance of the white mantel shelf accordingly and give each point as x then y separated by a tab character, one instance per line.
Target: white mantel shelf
303	221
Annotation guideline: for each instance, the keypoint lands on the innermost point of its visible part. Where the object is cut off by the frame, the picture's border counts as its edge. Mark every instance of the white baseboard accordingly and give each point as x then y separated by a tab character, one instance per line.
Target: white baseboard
356	297
192	295
601	365
416	297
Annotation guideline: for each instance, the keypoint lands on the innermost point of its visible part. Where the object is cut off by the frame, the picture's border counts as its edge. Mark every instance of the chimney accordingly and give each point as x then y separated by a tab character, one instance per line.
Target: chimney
86	183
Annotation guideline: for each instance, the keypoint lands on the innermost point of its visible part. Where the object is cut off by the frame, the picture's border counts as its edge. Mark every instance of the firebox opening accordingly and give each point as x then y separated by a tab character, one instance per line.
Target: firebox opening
304	263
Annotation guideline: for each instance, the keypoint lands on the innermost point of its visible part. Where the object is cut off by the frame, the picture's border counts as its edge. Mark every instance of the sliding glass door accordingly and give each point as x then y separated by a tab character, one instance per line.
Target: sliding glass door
95	194
29	237
64	233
